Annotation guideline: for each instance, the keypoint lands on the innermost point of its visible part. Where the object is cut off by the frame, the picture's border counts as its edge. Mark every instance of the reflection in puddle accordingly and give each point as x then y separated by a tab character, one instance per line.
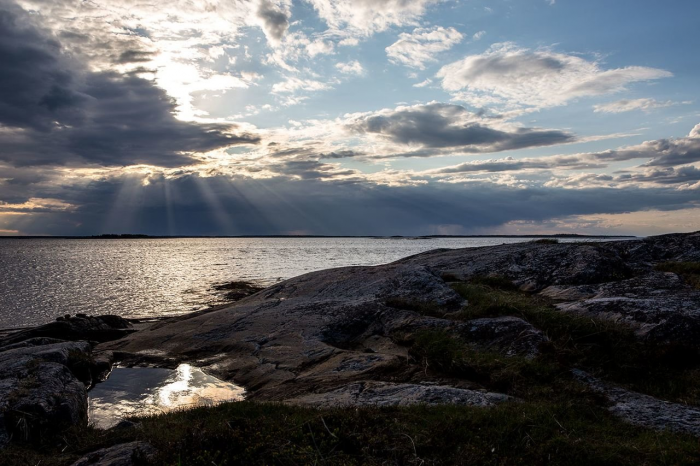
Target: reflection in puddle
142	391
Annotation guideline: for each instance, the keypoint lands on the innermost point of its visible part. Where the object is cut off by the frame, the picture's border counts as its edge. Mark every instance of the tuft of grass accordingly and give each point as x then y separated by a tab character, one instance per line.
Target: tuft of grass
688	271
446	353
498	282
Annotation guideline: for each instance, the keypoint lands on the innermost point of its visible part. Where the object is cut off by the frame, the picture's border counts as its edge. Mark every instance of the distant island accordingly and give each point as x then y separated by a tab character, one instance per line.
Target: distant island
143	236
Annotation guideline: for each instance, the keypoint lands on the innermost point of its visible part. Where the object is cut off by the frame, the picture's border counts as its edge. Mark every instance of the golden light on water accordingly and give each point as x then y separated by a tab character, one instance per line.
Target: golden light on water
143	391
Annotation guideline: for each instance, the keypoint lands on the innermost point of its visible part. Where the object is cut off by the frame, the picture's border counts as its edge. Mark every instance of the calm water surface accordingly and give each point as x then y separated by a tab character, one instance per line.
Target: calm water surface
143	391
41	279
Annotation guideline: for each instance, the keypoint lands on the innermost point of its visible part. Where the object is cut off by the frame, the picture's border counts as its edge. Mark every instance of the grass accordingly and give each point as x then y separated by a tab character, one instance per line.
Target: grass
688	271
558	432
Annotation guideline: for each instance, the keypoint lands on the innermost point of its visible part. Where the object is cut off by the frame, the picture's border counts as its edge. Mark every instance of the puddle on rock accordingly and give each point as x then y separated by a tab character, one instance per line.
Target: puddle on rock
140	391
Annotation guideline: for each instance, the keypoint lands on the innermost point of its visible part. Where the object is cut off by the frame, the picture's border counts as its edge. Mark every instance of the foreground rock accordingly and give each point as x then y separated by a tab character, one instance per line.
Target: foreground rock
73	328
321	332
388	394
119	455
39	393
44	378
644	410
658	305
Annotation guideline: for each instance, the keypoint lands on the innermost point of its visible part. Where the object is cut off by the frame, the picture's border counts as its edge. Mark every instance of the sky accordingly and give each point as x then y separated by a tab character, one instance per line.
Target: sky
349	117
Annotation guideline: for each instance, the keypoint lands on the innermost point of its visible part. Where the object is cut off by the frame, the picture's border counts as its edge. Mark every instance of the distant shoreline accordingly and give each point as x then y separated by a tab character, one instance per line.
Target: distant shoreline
127	236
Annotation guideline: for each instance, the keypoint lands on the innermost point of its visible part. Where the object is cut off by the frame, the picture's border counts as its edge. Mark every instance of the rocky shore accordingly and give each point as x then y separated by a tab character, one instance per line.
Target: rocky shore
366	336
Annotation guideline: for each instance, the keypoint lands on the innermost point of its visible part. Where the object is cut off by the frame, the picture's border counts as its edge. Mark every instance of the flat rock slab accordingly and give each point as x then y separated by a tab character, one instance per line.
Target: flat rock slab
118	455
321	330
334	327
660	306
644	410
397	394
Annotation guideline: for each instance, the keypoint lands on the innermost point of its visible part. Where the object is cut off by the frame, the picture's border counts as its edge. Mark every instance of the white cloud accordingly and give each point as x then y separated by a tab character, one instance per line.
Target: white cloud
297	46
621	106
419	47
292	84
514	77
351	67
353	18
425	83
478	35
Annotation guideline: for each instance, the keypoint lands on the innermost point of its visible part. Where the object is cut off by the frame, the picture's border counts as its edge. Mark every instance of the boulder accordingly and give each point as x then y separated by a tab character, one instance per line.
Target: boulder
397	394
658	305
645	410
124	454
99	329
39	392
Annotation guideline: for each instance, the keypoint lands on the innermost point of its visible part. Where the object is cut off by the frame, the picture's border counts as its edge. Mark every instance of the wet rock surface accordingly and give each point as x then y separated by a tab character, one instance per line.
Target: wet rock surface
644	410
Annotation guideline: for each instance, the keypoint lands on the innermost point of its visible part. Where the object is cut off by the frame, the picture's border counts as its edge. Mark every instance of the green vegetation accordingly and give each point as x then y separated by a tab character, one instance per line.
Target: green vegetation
604	348
555	432
688	271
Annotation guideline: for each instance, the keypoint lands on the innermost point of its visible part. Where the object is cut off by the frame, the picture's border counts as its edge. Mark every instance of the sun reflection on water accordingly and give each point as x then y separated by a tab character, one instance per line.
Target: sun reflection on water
141	391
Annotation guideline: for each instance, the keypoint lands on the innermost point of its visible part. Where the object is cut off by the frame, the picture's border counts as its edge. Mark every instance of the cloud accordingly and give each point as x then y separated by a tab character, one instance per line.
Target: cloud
478	35
513	77
54	110
664	159
665	152
508	164
439	125
221	204
275	21
621	106
293	84
680	178
426	82
351	67
349	18
419	47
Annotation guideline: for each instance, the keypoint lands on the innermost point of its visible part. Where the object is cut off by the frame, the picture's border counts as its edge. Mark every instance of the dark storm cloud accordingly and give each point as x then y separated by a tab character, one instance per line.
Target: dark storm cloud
572	162
667	152
55	111
441	126
275	21
135	56
36	84
221	205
